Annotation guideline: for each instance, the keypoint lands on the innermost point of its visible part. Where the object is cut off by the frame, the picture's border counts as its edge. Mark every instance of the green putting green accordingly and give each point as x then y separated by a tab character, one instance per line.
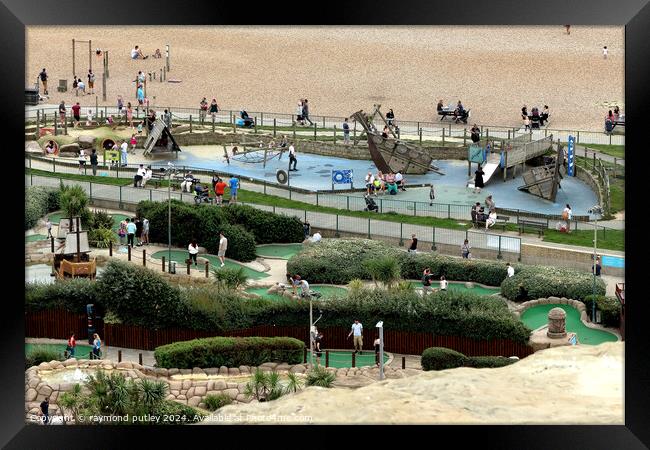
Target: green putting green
81	352
282	251
537	316
460	286
343	359
180	256
326	291
55	218
35	237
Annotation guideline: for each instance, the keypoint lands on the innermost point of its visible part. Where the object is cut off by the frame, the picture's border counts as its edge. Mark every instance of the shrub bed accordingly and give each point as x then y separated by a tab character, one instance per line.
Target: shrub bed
441	358
229	352
244	226
72	295
540	282
609	307
38	202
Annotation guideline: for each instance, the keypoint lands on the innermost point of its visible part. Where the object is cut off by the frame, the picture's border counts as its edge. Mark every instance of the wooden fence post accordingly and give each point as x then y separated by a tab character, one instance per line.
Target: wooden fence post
304	355
110	248
207	264
327	358
144	257
354	359
188	267
140	358
190	123
274	127
119	356
129	247
163	263
403	362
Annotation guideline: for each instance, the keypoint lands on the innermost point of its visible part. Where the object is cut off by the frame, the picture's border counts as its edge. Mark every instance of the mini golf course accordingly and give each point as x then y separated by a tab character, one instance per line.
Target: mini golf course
460	286
280	251
81	351
35	237
325	290
343	359
56	217
180	256
537	316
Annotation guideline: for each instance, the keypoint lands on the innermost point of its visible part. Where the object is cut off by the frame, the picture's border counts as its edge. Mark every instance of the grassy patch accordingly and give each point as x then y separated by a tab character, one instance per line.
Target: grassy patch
78	177
617	151
616	195
607	239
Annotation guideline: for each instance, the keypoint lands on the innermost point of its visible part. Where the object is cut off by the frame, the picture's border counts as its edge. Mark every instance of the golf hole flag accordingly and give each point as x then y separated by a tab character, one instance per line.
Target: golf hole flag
571	150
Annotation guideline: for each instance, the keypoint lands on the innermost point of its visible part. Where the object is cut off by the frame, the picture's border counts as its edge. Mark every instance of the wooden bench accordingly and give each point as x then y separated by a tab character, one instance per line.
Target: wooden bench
178	179
157	178
533	224
501	222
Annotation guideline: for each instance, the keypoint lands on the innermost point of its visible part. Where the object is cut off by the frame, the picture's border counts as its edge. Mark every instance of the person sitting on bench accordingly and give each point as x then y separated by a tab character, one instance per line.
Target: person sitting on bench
440	106
148	174
459	111
139	176
136	53
491	219
186	185
474	212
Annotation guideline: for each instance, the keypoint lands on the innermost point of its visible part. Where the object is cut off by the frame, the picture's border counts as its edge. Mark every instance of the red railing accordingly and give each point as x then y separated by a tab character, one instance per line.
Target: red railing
57	324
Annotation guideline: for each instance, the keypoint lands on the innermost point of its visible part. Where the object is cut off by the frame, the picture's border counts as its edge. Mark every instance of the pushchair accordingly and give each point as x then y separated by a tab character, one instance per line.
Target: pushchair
609	126
245	119
370	204
202	197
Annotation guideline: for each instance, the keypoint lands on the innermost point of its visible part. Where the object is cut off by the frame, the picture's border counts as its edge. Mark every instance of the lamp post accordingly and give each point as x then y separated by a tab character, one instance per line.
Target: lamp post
380	325
596	210
170	169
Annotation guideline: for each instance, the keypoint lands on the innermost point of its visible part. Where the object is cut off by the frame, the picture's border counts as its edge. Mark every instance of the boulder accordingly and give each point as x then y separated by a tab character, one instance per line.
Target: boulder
297	369
201	260
243	398
219	385
171	372
211	371
553	300
31	395
223	370
232	385
175	392
33	147
200	390
232	393
271	365
244	370
190	392
170	397
187	384
86	141
161	372
45	366
197	371
233	371
186	371
124	365
69	149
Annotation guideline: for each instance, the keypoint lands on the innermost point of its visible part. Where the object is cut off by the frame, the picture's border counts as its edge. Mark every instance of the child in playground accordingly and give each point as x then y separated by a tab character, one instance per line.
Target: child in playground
157	54
133	144
89	121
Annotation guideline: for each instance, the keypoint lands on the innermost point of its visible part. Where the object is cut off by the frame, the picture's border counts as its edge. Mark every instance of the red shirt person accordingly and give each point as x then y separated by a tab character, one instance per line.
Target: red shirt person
219	189
72	345
76	111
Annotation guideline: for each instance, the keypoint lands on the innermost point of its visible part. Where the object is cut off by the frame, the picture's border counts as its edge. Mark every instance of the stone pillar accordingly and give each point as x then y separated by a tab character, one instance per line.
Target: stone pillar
556	323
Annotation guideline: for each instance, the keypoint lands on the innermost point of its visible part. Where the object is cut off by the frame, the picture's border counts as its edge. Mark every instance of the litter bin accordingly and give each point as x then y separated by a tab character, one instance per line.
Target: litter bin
172	266
31	96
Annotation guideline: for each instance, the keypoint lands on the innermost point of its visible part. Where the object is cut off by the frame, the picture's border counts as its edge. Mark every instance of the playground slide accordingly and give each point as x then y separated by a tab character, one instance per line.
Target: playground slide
489	168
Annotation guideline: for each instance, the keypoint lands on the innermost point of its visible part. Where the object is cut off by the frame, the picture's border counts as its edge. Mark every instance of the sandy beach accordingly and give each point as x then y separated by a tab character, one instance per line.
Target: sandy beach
493	70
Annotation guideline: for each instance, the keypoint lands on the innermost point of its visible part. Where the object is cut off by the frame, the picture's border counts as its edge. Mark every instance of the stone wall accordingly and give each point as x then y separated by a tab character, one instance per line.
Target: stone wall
586	177
190	392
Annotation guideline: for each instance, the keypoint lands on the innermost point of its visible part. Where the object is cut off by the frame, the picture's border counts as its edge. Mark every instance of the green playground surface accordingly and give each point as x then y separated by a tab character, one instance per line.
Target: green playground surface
343	359
81	352
56	217
180	256
460	286
325	290
35	237
537	316
282	251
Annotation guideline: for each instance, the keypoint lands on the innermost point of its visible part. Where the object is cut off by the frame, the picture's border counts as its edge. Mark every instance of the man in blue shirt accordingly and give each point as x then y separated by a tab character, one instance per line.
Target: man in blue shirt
234	185
346	132
130	231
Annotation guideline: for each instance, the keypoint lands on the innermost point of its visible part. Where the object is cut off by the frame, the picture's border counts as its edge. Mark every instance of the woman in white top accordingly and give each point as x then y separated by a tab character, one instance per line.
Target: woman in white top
148	174
443	283
566	216
82	160
193	249
491	220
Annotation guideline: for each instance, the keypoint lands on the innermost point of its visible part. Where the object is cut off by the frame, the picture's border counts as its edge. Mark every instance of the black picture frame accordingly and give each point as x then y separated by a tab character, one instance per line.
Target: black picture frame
15	15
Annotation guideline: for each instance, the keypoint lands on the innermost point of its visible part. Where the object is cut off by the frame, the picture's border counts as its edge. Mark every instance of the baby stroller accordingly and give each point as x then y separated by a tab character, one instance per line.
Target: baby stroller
609	126
245	119
202	197
370	204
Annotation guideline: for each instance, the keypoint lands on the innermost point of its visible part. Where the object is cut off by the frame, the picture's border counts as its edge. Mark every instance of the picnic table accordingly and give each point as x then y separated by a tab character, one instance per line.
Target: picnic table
447	111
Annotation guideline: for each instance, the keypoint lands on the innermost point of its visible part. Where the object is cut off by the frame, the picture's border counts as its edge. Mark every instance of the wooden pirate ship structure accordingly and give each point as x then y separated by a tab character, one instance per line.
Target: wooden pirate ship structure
254	152
544	181
392	154
72	257
160	140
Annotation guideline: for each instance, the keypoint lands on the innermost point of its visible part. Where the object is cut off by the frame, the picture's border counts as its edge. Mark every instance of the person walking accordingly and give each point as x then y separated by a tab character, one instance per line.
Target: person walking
97	346
305	112
432	195
76	114
413	247
234	186
82	160
133	142
219	189
357	330
93	161
131	228
62	111
292	157
203	110
138	231
466	250
72	345
605	52
426	281
478	179
318	342
193	250
45	407
124	149
346	131
214	109
91	82
223	247
566	216
306	228
145	231
510	270
129	115
390	116
122	231
443	284
43	77
120	106
48	225
377	345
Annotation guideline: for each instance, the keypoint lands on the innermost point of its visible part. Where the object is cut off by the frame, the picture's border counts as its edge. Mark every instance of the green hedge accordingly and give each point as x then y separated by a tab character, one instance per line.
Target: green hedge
38	202
339	261
138	296
609	307
72	295
441	358
267	227
540	282
229	352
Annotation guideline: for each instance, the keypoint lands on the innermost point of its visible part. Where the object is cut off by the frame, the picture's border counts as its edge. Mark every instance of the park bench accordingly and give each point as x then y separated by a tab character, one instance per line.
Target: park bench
532	224
501	222
178	179
450	113
157	178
